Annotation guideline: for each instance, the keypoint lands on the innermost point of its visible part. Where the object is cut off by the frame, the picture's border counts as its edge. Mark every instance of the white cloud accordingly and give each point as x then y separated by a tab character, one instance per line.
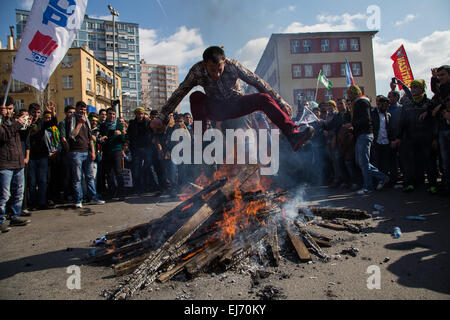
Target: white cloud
429	52
409	17
344	22
184	46
26	4
285	9
250	54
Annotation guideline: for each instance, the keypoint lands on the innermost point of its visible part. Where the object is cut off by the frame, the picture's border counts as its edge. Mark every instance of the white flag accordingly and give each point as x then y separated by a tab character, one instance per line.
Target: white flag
50	30
307	117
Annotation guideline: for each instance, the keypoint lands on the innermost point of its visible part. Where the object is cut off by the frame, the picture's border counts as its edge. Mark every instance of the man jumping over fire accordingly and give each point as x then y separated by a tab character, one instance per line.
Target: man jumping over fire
223	98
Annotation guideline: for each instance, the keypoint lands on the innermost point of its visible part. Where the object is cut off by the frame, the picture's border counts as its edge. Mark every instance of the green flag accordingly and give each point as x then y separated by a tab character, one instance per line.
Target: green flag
327	83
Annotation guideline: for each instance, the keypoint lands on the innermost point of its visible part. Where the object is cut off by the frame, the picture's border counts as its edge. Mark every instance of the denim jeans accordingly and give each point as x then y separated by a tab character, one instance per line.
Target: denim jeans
81	164
444	144
12	184
362	158
141	168
37	178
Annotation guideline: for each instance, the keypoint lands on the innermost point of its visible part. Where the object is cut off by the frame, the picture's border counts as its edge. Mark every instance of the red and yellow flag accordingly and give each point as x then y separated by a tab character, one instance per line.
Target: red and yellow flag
402	69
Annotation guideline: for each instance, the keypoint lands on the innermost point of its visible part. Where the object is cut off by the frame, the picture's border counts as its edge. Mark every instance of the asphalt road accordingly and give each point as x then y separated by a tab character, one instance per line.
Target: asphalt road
37	261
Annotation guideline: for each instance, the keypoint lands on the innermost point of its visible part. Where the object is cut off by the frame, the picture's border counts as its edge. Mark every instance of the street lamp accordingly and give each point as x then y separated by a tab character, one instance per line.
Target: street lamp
114	13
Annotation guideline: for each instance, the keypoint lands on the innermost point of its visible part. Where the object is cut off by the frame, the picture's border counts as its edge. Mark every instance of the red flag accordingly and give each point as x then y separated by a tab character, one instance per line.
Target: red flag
402	69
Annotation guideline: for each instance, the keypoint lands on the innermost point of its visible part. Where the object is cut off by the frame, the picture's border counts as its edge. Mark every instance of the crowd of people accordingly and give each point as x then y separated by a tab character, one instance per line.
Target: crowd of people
399	141
90	158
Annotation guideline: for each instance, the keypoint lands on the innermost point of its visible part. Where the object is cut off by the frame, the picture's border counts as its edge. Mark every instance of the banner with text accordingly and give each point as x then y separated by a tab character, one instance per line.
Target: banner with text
50	30
402	69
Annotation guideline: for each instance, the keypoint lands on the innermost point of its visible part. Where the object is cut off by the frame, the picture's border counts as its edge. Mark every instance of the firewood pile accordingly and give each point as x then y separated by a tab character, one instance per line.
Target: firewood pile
214	230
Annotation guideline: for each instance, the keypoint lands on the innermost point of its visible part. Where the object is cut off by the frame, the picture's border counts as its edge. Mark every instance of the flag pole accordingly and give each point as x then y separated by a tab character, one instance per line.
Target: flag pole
317	87
7	90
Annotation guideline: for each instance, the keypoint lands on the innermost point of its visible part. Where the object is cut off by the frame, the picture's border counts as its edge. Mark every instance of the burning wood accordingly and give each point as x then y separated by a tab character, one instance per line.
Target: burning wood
216	228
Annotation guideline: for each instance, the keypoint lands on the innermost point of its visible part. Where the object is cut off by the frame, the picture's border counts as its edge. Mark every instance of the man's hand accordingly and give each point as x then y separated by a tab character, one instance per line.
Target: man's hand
436	110
393	84
92	156
422	116
156	125
447	115
117	132
26	160
22	120
82	119
51	106
395	143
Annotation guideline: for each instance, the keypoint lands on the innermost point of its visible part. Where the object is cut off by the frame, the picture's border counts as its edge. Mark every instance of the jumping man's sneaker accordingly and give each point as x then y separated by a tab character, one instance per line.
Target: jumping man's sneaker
300	136
79	205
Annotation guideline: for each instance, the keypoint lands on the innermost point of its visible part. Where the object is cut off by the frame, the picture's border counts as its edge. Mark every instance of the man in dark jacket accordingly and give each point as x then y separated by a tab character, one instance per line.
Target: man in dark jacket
39	153
363	132
418	135
139	137
382	152
12	178
113	136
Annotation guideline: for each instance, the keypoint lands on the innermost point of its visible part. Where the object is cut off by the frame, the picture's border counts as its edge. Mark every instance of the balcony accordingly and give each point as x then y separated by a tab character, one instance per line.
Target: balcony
103	76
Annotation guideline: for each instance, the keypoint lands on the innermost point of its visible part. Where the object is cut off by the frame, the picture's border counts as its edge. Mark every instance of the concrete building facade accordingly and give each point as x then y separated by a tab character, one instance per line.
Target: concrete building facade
291	64
80	76
97	35
158	84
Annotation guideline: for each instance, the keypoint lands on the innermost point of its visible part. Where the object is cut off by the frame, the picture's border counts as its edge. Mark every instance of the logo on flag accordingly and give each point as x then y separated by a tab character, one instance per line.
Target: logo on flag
50	30
402	69
327	83
348	74
41	48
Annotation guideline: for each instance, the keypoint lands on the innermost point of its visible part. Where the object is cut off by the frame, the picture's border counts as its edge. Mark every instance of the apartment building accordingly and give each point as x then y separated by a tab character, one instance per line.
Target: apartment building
291	64
158	84
98	36
80	76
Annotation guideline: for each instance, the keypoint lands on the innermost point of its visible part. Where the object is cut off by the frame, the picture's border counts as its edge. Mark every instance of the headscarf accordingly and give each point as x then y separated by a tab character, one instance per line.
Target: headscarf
355	90
421	84
139	110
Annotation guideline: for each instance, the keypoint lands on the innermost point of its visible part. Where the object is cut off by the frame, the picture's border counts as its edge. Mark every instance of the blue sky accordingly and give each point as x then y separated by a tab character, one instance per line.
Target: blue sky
177	31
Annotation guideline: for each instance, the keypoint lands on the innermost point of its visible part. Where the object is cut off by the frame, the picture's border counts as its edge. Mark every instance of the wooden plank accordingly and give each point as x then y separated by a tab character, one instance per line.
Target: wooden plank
332	213
331	226
145	274
299	246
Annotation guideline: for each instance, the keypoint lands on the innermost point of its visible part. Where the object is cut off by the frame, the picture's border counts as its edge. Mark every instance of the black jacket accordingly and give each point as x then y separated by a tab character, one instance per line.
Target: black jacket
376	125
362	122
11	154
410	125
139	134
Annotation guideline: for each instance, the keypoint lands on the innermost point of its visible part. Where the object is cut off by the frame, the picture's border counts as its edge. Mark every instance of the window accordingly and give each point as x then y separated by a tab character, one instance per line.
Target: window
306	45
310	95
88	65
296	71
67	82
89	84
98	89
344	93
354	44
68	101
308	71
67	61
295	46
326	68
356	69
93	45
19	104
89	102
343	44
343	70
325	45
328	95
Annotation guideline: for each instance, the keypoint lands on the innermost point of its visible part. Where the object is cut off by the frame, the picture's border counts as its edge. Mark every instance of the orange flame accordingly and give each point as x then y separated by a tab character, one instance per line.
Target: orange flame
191	254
